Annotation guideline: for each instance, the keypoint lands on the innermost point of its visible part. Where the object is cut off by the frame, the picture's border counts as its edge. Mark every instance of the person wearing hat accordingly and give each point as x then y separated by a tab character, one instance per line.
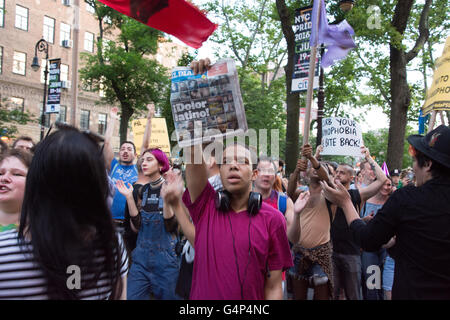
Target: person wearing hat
417	216
395	176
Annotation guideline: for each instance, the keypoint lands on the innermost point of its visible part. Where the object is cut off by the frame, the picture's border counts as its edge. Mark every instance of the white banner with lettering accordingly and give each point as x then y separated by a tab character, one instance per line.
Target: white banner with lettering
341	137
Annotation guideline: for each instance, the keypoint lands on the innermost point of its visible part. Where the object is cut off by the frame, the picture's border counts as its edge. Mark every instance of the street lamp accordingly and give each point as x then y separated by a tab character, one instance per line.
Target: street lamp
346	5
41	46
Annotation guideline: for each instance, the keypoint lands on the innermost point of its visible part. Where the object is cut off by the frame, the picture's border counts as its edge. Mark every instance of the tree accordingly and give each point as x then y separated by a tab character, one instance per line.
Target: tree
10	117
123	69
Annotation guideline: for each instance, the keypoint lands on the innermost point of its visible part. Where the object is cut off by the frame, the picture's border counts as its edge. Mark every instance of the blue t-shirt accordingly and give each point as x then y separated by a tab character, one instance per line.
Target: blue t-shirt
128	174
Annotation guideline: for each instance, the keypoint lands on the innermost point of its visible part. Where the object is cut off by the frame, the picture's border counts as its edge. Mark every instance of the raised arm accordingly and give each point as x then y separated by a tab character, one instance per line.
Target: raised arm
302	165
293	229
148	128
108	152
171	192
196	173
321	172
373	188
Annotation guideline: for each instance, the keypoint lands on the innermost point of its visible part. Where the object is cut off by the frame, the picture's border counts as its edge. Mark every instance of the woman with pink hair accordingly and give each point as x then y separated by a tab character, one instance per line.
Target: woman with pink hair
155	263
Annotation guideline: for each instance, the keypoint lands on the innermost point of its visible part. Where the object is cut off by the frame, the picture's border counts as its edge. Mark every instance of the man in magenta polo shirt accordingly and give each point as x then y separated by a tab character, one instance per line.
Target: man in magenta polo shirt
237	255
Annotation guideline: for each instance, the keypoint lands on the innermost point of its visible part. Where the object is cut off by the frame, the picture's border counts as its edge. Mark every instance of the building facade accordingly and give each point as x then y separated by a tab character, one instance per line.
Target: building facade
22	24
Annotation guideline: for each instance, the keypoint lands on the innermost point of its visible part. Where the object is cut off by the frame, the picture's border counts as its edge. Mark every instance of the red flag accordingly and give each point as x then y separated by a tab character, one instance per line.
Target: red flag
176	17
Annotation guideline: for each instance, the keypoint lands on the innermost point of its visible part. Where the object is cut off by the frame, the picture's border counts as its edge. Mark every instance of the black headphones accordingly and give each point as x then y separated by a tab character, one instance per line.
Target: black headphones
223	202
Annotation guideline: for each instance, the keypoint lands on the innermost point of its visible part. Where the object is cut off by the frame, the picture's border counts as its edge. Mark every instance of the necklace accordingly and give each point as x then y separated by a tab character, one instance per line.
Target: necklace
156	182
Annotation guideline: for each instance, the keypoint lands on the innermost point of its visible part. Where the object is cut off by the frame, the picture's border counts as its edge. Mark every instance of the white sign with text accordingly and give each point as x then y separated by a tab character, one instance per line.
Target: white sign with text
341	137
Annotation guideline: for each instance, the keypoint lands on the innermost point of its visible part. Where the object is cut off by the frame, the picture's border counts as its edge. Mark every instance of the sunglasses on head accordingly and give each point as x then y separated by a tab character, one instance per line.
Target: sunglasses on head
63	126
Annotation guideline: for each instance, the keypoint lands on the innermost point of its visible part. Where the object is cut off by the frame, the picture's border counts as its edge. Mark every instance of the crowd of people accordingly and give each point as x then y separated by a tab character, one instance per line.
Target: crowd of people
228	227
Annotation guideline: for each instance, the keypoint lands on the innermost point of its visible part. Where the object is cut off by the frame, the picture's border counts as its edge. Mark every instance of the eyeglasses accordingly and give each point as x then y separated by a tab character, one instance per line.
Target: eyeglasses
267	171
63	126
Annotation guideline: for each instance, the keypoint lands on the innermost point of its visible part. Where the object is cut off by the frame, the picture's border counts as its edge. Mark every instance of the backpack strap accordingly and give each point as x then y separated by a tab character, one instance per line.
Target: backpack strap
282	203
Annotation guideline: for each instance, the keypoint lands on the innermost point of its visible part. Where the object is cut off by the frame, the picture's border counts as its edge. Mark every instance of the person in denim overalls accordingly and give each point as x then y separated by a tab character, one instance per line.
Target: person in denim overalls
155	267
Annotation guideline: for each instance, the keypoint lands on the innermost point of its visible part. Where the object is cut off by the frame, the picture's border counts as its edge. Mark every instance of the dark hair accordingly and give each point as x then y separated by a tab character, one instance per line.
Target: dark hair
264	158
24	156
3	146
23	138
437	170
66	215
134	147
349	168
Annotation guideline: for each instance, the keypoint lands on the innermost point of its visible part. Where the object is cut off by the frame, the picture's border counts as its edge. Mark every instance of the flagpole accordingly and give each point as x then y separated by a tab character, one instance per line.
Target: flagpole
309	92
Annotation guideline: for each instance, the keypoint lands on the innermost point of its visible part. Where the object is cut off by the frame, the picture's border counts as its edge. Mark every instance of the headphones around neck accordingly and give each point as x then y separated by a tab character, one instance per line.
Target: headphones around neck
223	202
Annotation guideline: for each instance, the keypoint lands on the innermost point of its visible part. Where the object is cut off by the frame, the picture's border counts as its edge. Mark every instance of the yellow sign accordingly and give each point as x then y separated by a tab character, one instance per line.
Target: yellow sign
438	96
159	137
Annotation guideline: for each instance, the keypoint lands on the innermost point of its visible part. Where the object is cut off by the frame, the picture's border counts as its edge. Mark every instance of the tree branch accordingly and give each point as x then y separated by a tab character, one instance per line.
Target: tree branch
375	80
247	54
233	45
424	32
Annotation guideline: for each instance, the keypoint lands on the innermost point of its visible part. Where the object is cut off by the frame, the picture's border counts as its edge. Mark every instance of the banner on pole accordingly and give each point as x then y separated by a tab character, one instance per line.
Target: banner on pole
438	96
53	104
302	30
341	136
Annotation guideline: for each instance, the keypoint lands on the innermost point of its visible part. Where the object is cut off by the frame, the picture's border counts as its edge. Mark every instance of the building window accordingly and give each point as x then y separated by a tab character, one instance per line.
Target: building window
84	119
62	114
49	29
89	41
64	72
64	32
102	123
17	104
21	18
19	62
2	13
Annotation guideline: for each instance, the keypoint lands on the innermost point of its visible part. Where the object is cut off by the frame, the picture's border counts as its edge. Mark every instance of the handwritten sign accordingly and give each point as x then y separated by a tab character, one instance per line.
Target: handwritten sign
159	137
341	136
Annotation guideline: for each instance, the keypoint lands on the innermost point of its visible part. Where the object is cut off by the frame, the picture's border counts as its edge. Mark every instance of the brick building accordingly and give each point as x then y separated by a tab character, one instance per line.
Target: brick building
22	24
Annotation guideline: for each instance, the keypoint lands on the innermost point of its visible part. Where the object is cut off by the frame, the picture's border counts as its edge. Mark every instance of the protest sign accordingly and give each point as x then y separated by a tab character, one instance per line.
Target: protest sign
159	137
53	104
302	31
208	105
341	136
438	96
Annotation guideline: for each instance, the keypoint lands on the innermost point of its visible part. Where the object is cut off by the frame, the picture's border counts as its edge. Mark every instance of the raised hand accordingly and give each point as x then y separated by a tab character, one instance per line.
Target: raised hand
337	194
200	66
302	164
172	188
319	150
151	110
127	192
307	151
365	152
301	202
113	113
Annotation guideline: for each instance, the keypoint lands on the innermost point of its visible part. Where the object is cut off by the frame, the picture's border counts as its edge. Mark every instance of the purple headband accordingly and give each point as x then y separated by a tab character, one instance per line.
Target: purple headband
161	158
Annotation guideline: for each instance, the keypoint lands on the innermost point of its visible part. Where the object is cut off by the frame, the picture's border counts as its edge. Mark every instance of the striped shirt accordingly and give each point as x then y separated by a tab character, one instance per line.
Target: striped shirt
21	277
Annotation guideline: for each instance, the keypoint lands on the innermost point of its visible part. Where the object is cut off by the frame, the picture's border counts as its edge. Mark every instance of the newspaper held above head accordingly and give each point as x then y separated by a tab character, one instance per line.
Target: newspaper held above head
207	106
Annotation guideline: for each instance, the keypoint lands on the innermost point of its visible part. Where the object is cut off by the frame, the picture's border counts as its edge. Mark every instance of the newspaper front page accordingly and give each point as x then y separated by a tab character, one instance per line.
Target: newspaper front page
208	105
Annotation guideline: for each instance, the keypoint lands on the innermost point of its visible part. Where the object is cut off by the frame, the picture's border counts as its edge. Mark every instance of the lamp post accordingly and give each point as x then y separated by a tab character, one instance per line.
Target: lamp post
41	46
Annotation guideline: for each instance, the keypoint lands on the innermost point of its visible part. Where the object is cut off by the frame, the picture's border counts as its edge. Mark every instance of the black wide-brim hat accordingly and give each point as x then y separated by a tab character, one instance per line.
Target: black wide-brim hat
435	145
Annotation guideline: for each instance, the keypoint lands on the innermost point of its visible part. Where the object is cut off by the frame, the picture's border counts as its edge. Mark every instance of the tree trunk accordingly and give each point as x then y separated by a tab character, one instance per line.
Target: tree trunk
400	101
127	112
292	98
